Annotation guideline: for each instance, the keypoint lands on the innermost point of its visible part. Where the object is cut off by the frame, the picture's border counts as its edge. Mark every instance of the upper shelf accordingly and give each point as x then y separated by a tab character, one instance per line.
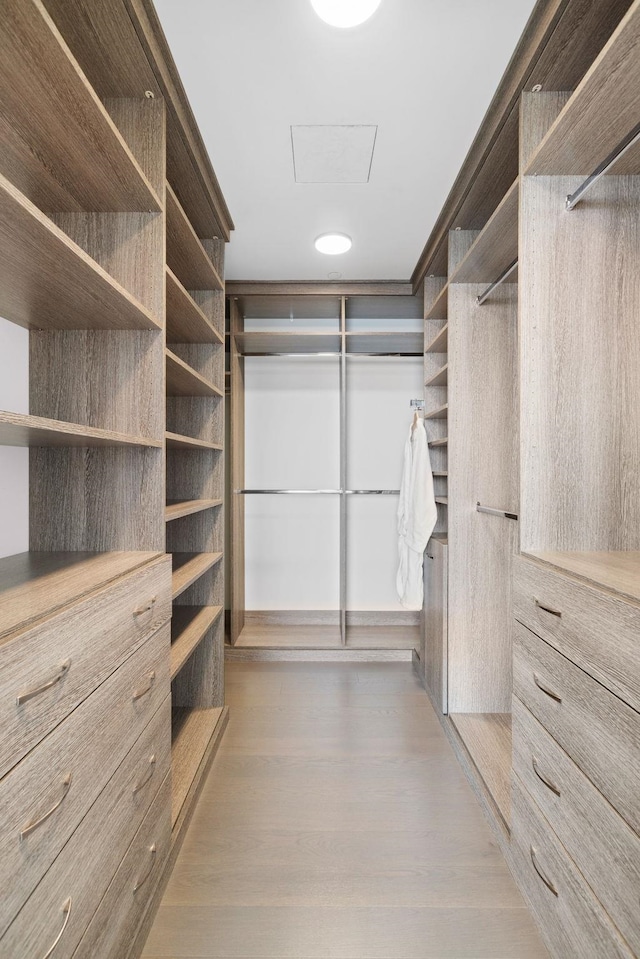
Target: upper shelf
186	322
440	342
256	343
183	380
48	282
496	246
20	429
186	255
59	144
438	309
440	378
386	342
600	113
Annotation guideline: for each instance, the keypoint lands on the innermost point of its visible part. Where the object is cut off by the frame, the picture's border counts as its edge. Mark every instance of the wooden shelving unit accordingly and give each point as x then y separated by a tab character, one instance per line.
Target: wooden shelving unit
440	413
188	567
186	321
17	429
180	509
496	246
439	343
187	257
182	380
439	378
487	738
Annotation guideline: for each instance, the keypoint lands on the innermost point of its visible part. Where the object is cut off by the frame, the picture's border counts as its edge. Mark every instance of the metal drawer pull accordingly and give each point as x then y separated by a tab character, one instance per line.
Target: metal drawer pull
543	779
548	609
63	669
533	853
139	693
141	882
146	609
546	690
30	827
143	782
66	909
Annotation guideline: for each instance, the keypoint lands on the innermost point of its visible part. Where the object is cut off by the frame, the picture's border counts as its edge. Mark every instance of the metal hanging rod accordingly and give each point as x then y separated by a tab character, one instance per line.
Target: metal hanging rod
505	514
373	492
352	355
296	492
629	141
503	276
337	355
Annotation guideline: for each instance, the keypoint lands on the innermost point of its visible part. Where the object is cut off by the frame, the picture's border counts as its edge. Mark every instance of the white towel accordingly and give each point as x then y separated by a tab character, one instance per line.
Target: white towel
417	515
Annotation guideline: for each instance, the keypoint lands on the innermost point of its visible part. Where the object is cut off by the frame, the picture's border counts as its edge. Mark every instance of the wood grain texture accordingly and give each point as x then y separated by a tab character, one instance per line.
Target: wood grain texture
572	924
434	646
487	737
61	147
20	429
200	417
88	747
439	378
188	567
178	442
596	630
483	467
49	282
33	656
200	682
598	731
438	344
437	308
618	572
99	843
186	256
118	917
177	510
186	322
192	731
236	561
578	372
189	627
183	380
285	291
603	847
496	246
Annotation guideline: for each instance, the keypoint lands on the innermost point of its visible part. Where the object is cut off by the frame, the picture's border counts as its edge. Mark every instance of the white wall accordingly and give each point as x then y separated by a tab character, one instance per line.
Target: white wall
292	442
14	462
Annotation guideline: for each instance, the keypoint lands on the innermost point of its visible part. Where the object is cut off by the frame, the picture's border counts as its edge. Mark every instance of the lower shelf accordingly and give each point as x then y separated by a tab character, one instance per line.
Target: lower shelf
192	730
189	626
487	737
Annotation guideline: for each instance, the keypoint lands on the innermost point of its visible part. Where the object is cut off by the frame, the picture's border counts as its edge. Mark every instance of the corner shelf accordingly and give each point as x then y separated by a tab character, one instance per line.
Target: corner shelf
186	322
183	380
189	626
189	567
176	441
439	307
495	247
48	282
188	507
440	342
438	414
69	154
20	429
186	256
440	378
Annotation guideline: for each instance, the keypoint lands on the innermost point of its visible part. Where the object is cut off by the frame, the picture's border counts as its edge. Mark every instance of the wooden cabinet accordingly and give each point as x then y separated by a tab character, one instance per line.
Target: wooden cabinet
433	651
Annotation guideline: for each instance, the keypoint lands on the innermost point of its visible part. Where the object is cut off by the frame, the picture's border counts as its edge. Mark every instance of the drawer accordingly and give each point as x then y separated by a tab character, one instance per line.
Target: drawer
112	930
571	921
591	627
600	843
66	899
597	730
44	797
57	663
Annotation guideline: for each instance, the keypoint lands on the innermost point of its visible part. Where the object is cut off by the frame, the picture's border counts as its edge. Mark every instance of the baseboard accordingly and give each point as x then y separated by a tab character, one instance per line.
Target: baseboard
330	617
178	834
253	654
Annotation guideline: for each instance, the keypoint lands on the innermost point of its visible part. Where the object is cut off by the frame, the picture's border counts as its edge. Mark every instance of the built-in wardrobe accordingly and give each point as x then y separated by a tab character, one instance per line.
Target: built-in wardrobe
532	586
322	380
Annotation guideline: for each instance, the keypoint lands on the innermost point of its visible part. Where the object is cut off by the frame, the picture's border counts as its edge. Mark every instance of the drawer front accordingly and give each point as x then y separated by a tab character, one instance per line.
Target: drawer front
604	848
58	663
571	921
44	797
589	626
113	928
597	730
66	899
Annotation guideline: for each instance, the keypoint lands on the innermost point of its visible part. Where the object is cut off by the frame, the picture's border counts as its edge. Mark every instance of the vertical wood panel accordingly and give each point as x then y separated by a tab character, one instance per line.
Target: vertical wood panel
236	563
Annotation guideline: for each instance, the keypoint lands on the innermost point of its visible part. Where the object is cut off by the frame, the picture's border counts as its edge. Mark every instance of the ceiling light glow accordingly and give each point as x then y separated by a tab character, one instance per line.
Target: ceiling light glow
333	243
345	13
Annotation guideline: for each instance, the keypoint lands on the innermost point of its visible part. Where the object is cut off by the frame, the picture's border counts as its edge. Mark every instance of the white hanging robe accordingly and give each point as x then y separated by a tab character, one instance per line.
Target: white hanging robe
417	515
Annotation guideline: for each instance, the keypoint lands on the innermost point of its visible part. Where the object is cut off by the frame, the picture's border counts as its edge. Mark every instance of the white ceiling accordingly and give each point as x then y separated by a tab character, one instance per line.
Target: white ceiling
422	71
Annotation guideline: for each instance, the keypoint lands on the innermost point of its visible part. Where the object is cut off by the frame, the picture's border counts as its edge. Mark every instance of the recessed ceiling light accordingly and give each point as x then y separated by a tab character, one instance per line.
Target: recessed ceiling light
345	13
333	243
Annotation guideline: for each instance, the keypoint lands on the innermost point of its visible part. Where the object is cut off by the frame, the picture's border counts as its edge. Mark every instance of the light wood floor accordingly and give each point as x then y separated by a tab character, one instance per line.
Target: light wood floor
328	637
336	823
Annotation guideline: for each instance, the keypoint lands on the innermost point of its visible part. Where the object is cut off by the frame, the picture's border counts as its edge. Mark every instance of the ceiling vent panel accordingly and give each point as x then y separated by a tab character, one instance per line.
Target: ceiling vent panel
333	154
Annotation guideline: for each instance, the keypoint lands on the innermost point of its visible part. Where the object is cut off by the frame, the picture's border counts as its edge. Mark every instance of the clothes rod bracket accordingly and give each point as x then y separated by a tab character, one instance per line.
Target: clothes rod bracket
629	141
505	514
496	283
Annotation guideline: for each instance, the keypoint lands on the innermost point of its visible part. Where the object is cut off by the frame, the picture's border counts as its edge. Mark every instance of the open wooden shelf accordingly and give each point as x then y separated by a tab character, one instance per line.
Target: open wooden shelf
442	474
487	737
442	500
438	414
48	282
183	380
387	342
496	246
177	441
440	342
36	584
439	378
192	730
188	567
439	307
600	113
189	626
436	443
186	256
68	155
271	342
20	429
186	322
179	509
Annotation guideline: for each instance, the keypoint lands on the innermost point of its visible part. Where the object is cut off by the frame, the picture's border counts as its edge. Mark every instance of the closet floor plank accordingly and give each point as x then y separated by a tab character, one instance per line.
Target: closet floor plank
336	822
